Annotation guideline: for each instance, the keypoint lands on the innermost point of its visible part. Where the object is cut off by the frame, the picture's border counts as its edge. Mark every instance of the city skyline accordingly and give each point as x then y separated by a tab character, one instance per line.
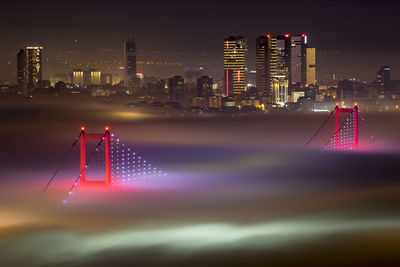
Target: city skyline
284	77
146	55
348	36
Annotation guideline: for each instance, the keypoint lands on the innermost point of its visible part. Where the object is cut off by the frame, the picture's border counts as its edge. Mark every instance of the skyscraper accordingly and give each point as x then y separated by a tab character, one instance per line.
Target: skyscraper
262	65
95	77
383	80
130	61
77	78
234	65
278	68
310	67
176	86
296	51
21	70
34	67
29	64
290	64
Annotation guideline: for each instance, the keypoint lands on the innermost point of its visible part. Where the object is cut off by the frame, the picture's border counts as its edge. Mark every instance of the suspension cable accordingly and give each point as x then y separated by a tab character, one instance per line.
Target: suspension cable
60	165
319	129
87	162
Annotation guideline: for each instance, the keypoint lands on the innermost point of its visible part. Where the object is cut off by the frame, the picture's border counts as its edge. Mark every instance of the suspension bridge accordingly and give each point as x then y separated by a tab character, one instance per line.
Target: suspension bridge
343	134
112	163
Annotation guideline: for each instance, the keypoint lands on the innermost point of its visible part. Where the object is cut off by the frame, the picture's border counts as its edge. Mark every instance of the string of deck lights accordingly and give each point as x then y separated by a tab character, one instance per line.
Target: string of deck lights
345	136
127	165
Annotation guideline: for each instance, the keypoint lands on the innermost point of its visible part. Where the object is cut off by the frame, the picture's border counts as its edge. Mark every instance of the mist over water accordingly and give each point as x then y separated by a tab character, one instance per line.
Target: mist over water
239	191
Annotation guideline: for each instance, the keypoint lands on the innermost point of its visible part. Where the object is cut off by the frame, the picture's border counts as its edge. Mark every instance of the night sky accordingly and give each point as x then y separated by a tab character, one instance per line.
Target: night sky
364	35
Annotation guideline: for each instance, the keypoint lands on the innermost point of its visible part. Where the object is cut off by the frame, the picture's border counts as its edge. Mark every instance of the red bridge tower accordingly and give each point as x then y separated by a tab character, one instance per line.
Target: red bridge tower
354	113
107	147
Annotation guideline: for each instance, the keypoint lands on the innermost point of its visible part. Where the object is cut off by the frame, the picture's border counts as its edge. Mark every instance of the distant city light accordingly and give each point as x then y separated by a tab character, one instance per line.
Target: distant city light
321	110
139	75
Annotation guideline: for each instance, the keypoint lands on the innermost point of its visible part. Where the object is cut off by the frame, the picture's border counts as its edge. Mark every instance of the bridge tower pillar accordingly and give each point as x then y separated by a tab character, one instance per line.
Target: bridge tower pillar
337	126
83	155
107	147
108	156
353	111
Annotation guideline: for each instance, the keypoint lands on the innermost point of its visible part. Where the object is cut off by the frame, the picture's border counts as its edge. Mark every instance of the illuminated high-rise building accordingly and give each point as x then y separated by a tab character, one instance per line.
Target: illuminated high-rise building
235	65
278	68
297	60
95	77
290	64
29	64
262	65
34	67
383	80
77	78
130	60
310	67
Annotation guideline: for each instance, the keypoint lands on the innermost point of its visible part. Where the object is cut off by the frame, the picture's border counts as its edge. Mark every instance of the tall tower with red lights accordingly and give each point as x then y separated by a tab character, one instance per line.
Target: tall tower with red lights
290	65
235	48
